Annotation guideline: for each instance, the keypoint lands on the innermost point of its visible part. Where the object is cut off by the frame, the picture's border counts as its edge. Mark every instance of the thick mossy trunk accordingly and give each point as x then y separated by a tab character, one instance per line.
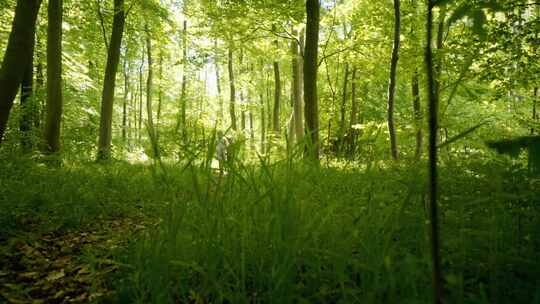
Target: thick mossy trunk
17	55
310	78
109	83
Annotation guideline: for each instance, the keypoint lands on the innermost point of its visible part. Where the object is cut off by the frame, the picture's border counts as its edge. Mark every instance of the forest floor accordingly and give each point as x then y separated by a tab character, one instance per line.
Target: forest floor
270	233
62	267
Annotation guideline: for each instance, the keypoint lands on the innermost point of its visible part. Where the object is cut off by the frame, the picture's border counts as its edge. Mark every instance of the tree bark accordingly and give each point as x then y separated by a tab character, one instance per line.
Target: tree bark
343	110
54	78
310	78
160	93
242	112
149	93
183	96
277	99
39	92
28	103
125	99
534	109
440	46
354	103
17	55
218	85
109	82
297	90
232	100
433	174
139	128
417	112
392	81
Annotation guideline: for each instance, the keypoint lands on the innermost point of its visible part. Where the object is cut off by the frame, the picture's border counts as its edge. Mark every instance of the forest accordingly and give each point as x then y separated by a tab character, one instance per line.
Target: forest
269	151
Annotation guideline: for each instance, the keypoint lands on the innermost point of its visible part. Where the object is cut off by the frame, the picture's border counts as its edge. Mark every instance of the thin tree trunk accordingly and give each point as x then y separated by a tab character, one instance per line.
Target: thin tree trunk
440	46
139	129
125	99
251	129
242	113
310	78
534	109
17	54
392	81
160	93
27	103
54	77
433	177
263	124
149	93
277	99
232	100
354	103
183	96
417	112
218	85
297	90
343	110
109	82
39	93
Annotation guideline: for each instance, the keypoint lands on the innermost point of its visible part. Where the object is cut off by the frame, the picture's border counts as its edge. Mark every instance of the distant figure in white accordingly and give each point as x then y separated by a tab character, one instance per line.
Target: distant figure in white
222	148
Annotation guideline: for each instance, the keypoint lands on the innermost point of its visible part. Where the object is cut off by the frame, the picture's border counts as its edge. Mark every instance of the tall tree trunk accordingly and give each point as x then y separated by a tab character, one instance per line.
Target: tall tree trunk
160	93
440	46
392	81
232	100
433	174
251	128
149	92
242	112
277	99
139	128
218	85
18	53
343	109
417	112
183	96
534	109
263	123
125	99
39	92
310	78
297	90
109	82
27	103
354	103
54	77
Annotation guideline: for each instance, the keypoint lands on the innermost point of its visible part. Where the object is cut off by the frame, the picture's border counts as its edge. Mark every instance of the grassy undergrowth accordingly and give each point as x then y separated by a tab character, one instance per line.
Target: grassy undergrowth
293	233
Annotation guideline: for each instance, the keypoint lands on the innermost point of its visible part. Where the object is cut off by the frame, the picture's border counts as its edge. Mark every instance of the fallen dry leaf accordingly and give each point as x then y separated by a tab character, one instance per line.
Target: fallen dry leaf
53	276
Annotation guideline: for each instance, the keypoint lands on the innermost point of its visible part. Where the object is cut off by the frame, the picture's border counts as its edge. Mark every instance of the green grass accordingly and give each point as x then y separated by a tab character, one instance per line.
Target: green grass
293	233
